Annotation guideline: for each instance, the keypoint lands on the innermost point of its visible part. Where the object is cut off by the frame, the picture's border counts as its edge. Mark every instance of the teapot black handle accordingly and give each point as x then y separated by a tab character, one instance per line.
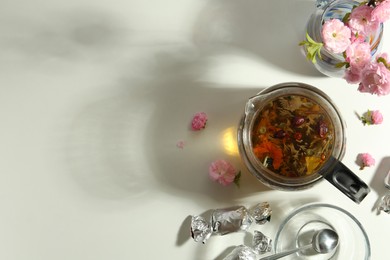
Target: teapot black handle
347	182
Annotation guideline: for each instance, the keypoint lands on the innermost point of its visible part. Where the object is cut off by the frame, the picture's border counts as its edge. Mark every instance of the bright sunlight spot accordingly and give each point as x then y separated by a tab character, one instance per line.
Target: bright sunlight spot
229	141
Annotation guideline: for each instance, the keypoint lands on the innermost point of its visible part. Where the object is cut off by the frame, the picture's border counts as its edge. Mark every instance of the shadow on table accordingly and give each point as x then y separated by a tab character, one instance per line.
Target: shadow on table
178	93
269	29
377	183
73	35
124	145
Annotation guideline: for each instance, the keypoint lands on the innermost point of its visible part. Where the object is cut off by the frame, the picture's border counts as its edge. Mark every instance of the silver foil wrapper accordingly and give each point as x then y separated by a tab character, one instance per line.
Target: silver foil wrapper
228	220
384	205
261	243
241	252
261	213
387	180
200	229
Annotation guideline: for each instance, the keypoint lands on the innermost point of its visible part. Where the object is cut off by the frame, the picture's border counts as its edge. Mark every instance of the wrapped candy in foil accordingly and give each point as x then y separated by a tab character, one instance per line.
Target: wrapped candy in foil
261	213
261	243
384	205
200	229
241	252
228	220
387	180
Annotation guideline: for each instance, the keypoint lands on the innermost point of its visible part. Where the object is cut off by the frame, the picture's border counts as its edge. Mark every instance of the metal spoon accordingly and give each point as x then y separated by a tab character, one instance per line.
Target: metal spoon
324	241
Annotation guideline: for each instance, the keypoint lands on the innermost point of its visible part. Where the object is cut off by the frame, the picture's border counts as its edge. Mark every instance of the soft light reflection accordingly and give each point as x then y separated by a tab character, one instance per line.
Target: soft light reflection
229	141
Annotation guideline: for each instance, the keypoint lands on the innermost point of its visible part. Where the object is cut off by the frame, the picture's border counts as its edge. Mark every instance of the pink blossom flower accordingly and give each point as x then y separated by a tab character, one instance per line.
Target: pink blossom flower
353	75
336	36
366	160
372	117
357	38
358	54
376	117
199	121
381	12
222	172
375	79
360	21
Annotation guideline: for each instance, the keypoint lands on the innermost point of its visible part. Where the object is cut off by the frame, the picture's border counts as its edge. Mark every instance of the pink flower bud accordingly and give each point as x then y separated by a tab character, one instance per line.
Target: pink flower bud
222	172
366	160
199	121
376	117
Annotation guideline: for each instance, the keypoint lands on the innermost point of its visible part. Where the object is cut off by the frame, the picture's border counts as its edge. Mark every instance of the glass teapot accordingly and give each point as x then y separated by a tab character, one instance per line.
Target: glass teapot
292	135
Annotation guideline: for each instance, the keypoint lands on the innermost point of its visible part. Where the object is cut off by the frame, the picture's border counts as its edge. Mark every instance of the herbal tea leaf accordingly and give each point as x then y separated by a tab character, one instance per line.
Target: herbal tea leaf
312	163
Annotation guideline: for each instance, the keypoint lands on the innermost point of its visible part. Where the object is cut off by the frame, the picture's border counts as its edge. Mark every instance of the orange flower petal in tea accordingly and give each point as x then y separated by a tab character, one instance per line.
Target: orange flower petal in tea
267	148
263	126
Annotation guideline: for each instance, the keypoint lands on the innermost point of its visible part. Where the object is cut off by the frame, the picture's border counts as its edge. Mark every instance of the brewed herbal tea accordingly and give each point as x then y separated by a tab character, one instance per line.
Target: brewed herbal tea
292	136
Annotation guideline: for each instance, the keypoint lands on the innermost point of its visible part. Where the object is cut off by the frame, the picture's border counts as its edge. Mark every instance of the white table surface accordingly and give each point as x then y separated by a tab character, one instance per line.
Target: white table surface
96	94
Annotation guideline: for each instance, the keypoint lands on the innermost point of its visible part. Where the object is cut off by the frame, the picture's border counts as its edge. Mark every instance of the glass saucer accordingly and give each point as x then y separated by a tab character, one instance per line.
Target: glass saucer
298	229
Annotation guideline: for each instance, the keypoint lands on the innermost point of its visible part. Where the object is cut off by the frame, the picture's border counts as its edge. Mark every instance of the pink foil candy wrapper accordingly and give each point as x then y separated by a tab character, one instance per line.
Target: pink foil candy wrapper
241	252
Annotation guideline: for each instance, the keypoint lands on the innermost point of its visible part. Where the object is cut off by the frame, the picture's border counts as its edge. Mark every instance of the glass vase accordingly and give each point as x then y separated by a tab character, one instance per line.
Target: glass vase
334	9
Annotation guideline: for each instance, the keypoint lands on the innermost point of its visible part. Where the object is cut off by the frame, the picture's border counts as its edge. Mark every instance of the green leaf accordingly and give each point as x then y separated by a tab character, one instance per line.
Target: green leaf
346	18
363	3
310	40
319	52
341	64
382	60
313	48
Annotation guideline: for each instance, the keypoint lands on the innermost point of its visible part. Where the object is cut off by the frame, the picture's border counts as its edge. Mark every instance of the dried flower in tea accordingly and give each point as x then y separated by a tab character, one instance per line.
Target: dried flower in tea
292	136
